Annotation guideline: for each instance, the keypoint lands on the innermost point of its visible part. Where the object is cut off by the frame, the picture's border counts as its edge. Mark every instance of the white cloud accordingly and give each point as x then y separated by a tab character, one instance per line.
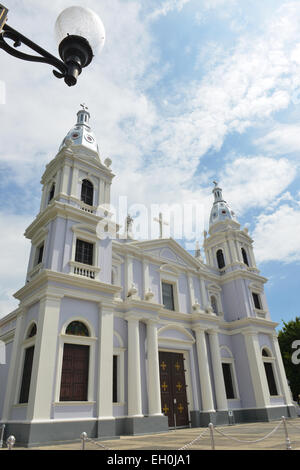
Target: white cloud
253	182
282	139
166	7
14	257
276	235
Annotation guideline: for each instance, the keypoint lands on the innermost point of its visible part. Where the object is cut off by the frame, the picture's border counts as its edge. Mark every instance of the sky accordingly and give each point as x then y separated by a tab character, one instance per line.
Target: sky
184	92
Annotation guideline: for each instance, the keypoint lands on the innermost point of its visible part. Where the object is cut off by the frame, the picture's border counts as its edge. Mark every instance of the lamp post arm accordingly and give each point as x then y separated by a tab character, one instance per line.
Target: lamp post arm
44	56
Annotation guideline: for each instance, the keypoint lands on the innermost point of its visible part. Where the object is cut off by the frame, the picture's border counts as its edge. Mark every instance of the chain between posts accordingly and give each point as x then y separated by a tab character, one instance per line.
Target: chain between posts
85	439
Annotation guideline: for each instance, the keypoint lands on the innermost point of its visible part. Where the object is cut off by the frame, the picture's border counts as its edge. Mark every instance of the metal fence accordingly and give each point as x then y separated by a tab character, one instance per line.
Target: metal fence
211	431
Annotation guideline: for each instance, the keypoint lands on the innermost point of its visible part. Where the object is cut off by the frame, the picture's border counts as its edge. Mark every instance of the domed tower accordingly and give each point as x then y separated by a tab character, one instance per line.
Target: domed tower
229	253
74	212
220	213
227	247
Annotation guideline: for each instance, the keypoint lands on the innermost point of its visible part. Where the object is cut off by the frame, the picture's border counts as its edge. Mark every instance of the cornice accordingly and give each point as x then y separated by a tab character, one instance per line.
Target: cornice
241	274
63	210
136	252
67	156
71	280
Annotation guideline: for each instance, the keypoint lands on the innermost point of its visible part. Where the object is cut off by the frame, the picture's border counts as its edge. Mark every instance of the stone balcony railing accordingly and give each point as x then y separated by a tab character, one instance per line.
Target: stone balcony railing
88	208
85	270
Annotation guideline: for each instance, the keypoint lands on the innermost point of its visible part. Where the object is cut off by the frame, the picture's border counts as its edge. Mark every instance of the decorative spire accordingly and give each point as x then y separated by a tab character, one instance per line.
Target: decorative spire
221	211
217	192
83	116
81	135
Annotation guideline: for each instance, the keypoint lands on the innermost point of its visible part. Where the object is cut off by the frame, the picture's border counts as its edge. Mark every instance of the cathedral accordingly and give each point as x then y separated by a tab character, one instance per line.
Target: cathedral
116	336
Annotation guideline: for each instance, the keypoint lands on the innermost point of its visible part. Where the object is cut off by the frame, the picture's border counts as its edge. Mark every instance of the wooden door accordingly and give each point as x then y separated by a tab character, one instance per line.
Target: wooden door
75	372
173	388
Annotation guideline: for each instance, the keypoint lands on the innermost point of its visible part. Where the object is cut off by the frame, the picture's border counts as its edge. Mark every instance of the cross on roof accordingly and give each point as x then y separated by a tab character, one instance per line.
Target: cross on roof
84	107
161	223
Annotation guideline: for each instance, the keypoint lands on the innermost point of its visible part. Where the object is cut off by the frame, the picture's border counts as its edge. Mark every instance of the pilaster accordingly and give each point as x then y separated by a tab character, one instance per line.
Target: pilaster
105	363
44	361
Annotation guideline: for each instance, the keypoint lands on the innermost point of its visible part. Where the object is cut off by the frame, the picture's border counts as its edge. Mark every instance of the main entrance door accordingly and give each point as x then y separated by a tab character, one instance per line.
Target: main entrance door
173	388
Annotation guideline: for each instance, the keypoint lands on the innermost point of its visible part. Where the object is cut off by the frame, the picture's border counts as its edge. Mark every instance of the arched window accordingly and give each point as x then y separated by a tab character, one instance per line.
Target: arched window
87	192
265	353
214	304
245	257
32	331
52	191
220	259
77	328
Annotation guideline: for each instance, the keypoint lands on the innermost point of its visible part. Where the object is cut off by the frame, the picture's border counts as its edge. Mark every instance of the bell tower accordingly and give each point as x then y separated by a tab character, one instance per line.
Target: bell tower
69	235
229	253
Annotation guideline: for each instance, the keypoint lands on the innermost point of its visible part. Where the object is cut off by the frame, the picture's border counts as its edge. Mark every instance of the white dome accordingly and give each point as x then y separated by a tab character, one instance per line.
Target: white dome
81	135
220	211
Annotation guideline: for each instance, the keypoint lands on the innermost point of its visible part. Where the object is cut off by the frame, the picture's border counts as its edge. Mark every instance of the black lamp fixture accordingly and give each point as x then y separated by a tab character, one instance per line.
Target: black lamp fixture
80	34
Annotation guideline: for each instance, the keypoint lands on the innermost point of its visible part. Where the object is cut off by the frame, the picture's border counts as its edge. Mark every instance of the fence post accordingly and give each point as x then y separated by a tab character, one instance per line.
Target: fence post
83	438
287	439
2	435
212	440
11	440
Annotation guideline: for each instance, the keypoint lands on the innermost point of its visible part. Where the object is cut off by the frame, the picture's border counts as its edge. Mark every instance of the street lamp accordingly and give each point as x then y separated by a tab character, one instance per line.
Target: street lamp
80	34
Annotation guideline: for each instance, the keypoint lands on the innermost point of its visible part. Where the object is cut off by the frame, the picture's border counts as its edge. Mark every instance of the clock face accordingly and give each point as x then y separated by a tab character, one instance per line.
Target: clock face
89	138
75	135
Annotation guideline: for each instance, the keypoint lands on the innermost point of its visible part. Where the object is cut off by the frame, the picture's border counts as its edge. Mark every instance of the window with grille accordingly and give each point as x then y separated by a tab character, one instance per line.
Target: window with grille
168	296
115	379
40	252
26	377
220	259
51	194
84	252
256	300
87	192
227	373
270	378
245	257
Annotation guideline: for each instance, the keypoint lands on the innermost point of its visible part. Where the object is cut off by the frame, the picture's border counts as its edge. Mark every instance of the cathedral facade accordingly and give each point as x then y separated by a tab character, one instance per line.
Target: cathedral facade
118	336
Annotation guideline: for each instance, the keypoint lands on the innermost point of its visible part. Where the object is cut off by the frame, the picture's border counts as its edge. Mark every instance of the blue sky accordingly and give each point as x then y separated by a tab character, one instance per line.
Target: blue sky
184	92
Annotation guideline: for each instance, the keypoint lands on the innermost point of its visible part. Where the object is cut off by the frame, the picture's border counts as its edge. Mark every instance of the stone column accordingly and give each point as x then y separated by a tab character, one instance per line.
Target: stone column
74	185
13	367
282	376
128	273
205	382
134	369
258	375
57	183
191	290
204	298
65	179
154	397
44	359
217	371
101	193
105	363
146	280
233	251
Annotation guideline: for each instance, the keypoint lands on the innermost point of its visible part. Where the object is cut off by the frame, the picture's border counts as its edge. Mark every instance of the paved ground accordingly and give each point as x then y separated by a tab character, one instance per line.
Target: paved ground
174	440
